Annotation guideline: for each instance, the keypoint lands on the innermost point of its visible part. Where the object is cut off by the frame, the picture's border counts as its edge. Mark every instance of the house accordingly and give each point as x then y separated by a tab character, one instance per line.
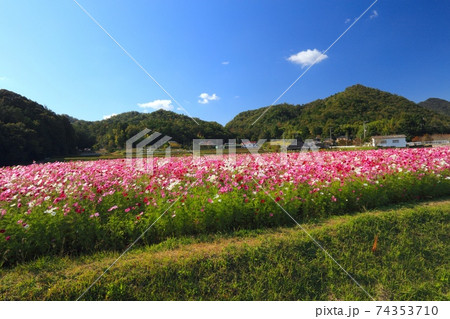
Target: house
389	141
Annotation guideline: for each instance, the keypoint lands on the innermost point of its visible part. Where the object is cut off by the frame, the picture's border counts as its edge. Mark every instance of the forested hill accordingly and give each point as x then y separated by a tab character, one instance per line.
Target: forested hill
112	133
344	113
438	105
29	131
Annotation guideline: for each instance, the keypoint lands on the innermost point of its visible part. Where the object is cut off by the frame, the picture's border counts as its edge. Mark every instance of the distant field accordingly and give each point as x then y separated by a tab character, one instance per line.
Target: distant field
410	262
122	154
185	152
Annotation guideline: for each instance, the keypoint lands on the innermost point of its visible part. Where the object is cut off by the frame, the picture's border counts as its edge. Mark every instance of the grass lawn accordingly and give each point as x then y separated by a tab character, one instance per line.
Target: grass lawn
410	262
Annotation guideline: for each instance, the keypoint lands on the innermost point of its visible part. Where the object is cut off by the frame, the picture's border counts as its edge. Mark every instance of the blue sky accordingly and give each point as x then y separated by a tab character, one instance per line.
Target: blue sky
218	58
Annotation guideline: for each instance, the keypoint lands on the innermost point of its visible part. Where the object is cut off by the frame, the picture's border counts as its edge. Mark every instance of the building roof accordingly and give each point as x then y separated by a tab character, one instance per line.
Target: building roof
381	137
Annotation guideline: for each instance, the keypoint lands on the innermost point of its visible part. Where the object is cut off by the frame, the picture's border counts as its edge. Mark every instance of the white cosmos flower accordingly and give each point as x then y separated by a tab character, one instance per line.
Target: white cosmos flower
172	185
51	211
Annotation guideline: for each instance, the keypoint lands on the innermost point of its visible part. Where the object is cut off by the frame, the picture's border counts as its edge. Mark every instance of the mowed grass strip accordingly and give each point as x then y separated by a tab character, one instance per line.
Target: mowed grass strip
410	262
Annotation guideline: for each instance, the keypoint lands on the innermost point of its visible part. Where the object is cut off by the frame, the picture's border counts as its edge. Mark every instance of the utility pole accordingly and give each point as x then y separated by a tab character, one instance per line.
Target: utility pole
364	129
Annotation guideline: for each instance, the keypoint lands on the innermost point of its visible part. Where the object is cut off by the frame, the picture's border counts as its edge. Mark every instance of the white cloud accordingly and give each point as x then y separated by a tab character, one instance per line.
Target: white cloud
374	14
205	98
308	57
226	62
158	105
180	109
3	78
347	20
105	117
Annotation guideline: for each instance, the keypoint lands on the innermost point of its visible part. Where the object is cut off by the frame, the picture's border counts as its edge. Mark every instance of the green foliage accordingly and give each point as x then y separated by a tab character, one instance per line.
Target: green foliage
81	231
437	105
29	131
410	263
344	113
111	134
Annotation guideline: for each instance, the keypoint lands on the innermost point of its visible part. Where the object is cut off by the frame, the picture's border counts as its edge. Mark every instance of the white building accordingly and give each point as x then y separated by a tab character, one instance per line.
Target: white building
389	141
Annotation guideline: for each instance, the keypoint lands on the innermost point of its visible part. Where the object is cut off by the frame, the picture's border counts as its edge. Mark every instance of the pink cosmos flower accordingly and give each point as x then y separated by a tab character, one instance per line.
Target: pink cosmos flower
113	208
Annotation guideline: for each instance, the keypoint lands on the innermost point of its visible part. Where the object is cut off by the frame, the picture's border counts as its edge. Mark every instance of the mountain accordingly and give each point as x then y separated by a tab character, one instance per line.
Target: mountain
112	133
30	131
344	114
438	105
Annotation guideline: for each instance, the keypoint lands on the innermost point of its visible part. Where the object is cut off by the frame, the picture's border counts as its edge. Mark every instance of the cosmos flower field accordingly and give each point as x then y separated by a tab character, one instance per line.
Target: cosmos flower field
82	207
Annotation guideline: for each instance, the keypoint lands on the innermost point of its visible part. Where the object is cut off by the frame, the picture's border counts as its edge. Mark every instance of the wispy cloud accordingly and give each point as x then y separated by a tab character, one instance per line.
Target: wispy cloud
205	98
226	62
307	57
374	14
3	78
105	117
158	105
347	20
